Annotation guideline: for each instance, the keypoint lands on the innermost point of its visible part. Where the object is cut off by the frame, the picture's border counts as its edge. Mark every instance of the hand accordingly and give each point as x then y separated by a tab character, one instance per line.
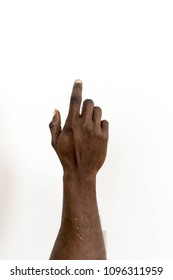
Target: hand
82	143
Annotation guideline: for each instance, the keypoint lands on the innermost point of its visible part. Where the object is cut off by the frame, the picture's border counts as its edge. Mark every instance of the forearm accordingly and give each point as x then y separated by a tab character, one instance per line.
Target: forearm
80	235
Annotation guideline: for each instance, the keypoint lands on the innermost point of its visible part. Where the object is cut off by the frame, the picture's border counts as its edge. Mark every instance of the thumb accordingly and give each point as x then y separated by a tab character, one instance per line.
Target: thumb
55	127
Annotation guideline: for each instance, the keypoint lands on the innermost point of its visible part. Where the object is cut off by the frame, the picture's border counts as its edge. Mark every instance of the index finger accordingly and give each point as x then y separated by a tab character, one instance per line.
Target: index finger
75	101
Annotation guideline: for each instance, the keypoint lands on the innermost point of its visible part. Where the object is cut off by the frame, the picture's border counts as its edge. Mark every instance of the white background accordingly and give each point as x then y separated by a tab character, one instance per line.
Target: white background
122	51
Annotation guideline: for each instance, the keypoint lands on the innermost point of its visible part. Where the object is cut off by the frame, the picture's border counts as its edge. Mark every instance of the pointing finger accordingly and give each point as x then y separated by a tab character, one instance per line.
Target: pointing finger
75	101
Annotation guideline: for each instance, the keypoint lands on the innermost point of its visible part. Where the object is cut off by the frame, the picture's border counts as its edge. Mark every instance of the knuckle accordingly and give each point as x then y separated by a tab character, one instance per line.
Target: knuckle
52	124
98	133
87	126
75	99
70	125
105	136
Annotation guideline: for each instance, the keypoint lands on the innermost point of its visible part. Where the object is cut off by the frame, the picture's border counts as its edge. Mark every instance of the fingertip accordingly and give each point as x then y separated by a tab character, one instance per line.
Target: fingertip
54	113
105	124
78	81
56	120
77	84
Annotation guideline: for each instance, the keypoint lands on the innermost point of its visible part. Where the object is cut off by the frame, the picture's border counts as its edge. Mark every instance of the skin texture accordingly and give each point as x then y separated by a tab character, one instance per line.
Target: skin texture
81	147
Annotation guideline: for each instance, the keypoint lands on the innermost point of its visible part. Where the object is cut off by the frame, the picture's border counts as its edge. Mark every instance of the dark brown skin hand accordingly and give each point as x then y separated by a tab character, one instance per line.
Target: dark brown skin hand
81	147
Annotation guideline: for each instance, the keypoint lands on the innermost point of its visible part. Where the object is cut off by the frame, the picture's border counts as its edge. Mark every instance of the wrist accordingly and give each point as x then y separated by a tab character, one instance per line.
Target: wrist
79	176
79	184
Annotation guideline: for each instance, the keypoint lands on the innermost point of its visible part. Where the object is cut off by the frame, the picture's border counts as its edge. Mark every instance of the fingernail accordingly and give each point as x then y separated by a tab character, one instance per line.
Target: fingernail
54	114
78	81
